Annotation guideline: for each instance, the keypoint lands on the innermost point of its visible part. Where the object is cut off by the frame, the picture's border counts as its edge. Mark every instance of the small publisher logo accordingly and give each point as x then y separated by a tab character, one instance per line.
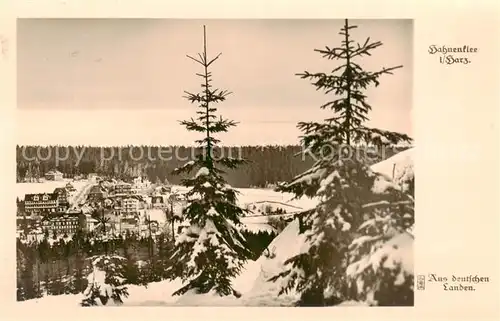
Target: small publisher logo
420	282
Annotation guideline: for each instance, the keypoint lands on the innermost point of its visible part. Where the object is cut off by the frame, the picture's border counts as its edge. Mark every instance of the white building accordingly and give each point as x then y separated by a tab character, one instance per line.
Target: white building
128	205
159	201
54	175
90	223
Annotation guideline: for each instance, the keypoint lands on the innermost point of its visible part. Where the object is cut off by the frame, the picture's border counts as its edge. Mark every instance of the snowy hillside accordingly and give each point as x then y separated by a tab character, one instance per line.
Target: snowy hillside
46	187
260	207
399	167
262	293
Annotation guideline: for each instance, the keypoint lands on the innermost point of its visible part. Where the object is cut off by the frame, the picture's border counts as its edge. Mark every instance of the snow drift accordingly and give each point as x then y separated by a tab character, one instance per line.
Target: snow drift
263	293
399	168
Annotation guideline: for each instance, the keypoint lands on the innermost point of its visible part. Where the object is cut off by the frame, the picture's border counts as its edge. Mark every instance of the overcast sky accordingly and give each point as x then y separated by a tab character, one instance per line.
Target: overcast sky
121	81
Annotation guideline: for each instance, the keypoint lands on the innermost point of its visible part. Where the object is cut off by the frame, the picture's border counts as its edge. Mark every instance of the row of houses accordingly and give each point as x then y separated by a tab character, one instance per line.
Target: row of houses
105	189
126	204
126	198
67	223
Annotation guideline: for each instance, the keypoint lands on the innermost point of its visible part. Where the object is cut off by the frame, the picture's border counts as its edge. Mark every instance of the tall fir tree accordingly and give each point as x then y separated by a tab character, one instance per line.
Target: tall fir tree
211	251
343	183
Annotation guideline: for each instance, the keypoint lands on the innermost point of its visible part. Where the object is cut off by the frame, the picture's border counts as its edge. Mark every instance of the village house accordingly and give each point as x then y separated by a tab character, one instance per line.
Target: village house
96	194
122	189
62	194
64	223
90	222
106	184
42	203
70	188
54	175
158	201
128	205
141	182
162	190
62	198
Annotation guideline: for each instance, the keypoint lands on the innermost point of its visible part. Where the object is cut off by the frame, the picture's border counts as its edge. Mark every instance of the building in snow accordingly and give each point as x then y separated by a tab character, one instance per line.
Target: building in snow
63	223
96	194
70	188
62	198
90	222
159	201
122	188
42	203
54	175
128	205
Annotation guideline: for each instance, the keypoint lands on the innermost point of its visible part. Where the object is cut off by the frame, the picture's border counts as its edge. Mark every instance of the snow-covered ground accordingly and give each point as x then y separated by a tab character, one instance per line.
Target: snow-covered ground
251	196
252	282
261	198
399	167
47	187
261	207
254	196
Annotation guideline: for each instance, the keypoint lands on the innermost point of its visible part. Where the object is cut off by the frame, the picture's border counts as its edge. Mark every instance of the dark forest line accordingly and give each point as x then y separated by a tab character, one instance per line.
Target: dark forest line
266	164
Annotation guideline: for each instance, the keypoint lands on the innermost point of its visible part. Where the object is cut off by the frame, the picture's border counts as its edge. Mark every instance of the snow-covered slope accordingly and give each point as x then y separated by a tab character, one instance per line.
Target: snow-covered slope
289	243
260	292
47	187
397	251
267	206
398	167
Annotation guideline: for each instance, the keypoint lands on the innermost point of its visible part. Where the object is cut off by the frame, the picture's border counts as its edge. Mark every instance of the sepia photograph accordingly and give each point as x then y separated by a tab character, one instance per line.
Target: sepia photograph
214	162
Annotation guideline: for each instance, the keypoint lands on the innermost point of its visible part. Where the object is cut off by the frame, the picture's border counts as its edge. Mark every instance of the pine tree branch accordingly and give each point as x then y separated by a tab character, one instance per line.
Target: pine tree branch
198	61
214	59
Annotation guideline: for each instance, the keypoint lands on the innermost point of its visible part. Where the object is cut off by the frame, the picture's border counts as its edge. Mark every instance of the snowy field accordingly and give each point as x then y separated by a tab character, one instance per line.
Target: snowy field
47	187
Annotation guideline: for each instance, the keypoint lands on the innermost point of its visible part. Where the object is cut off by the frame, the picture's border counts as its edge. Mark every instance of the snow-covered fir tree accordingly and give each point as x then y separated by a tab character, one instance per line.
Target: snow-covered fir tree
210	252
351	196
380	270
106	281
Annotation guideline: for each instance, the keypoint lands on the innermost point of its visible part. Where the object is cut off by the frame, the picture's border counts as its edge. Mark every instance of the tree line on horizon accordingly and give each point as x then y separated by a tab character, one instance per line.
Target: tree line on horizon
265	164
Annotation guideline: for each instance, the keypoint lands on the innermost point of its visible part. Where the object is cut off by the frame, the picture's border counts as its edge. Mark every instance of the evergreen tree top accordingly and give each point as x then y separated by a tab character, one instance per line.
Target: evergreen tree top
347	82
207	121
